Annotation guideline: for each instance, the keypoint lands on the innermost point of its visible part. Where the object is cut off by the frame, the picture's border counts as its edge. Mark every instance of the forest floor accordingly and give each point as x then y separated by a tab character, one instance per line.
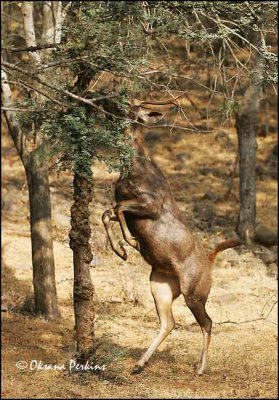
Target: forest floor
242	359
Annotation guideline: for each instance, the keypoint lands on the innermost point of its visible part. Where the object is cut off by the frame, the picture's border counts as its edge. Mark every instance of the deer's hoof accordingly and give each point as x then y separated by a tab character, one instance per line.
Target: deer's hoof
134	243
124	254
106	217
137	369
199	371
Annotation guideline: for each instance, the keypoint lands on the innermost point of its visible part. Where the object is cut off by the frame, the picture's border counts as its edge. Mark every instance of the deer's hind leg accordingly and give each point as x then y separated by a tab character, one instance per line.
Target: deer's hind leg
164	289
198	309
196	299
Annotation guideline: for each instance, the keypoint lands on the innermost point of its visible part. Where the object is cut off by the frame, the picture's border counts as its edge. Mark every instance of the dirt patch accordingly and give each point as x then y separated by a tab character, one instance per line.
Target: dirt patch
240	364
242	303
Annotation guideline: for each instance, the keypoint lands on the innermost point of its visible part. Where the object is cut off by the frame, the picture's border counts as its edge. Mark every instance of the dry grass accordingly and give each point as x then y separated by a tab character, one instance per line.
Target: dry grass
241	365
243	355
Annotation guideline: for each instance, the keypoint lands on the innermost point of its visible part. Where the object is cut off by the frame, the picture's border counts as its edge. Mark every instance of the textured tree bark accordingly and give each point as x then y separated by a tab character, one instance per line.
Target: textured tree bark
246	126
45	295
246	121
83	287
48	34
29	30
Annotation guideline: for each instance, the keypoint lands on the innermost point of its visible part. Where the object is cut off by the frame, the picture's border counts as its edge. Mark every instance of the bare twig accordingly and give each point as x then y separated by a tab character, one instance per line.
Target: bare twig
271	308
30	48
265	304
23	109
19	82
239	322
234	32
90	102
12	123
193	104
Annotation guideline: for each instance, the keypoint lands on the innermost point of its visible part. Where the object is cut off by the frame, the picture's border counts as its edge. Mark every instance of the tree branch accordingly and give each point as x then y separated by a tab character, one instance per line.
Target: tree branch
30	48
12	123
19	82
91	102
23	109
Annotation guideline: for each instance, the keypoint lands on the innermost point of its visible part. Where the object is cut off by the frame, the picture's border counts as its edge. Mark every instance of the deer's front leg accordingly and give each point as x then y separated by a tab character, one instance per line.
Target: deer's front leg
141	207
107	217
125	231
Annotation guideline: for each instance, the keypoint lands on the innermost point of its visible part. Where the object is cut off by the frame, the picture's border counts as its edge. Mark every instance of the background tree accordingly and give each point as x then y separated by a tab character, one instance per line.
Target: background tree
234	40
113	51
86	134
45	296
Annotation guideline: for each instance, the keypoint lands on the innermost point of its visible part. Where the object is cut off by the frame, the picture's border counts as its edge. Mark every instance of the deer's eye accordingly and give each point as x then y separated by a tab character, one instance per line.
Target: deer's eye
154	114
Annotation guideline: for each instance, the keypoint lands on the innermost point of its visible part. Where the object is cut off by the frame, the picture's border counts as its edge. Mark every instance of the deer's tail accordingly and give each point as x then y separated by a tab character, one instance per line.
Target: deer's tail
227	244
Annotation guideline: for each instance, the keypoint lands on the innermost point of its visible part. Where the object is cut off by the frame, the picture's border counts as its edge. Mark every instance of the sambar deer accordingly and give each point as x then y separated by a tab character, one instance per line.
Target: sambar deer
151	222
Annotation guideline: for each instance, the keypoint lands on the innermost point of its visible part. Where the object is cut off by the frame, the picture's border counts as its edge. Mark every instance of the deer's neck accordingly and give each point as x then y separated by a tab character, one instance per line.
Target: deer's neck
138	142
140	147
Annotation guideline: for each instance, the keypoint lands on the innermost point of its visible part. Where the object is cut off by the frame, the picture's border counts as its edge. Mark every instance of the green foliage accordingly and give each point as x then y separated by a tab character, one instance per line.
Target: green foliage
269	66
109	32
109	37
231	26
120	39
81	138
229	107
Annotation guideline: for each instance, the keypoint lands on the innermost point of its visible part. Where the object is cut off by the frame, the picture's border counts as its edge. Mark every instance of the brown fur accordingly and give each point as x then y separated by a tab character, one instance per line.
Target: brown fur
227	244
152	223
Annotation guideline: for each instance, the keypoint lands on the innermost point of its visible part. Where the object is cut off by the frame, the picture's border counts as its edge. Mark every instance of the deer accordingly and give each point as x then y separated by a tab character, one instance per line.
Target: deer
151	223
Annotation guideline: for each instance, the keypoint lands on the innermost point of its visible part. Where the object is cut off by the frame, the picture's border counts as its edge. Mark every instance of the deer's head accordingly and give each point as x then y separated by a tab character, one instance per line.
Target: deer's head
147	115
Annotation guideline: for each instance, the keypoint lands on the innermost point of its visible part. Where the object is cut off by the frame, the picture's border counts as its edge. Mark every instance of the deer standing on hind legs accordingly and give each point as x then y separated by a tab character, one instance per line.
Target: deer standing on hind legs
151	222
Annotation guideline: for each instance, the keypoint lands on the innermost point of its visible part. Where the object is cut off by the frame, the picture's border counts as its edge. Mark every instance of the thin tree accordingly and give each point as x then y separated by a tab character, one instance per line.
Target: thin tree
36	168
107	57
231	41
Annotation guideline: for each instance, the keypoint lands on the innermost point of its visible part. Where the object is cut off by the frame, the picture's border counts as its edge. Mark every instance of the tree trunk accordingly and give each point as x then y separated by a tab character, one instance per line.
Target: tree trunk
48	34
83	288
46	303
246	120
246	126
29	29
45	296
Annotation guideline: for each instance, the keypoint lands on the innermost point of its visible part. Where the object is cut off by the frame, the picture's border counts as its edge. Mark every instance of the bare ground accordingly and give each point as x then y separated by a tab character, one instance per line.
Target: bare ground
242	303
